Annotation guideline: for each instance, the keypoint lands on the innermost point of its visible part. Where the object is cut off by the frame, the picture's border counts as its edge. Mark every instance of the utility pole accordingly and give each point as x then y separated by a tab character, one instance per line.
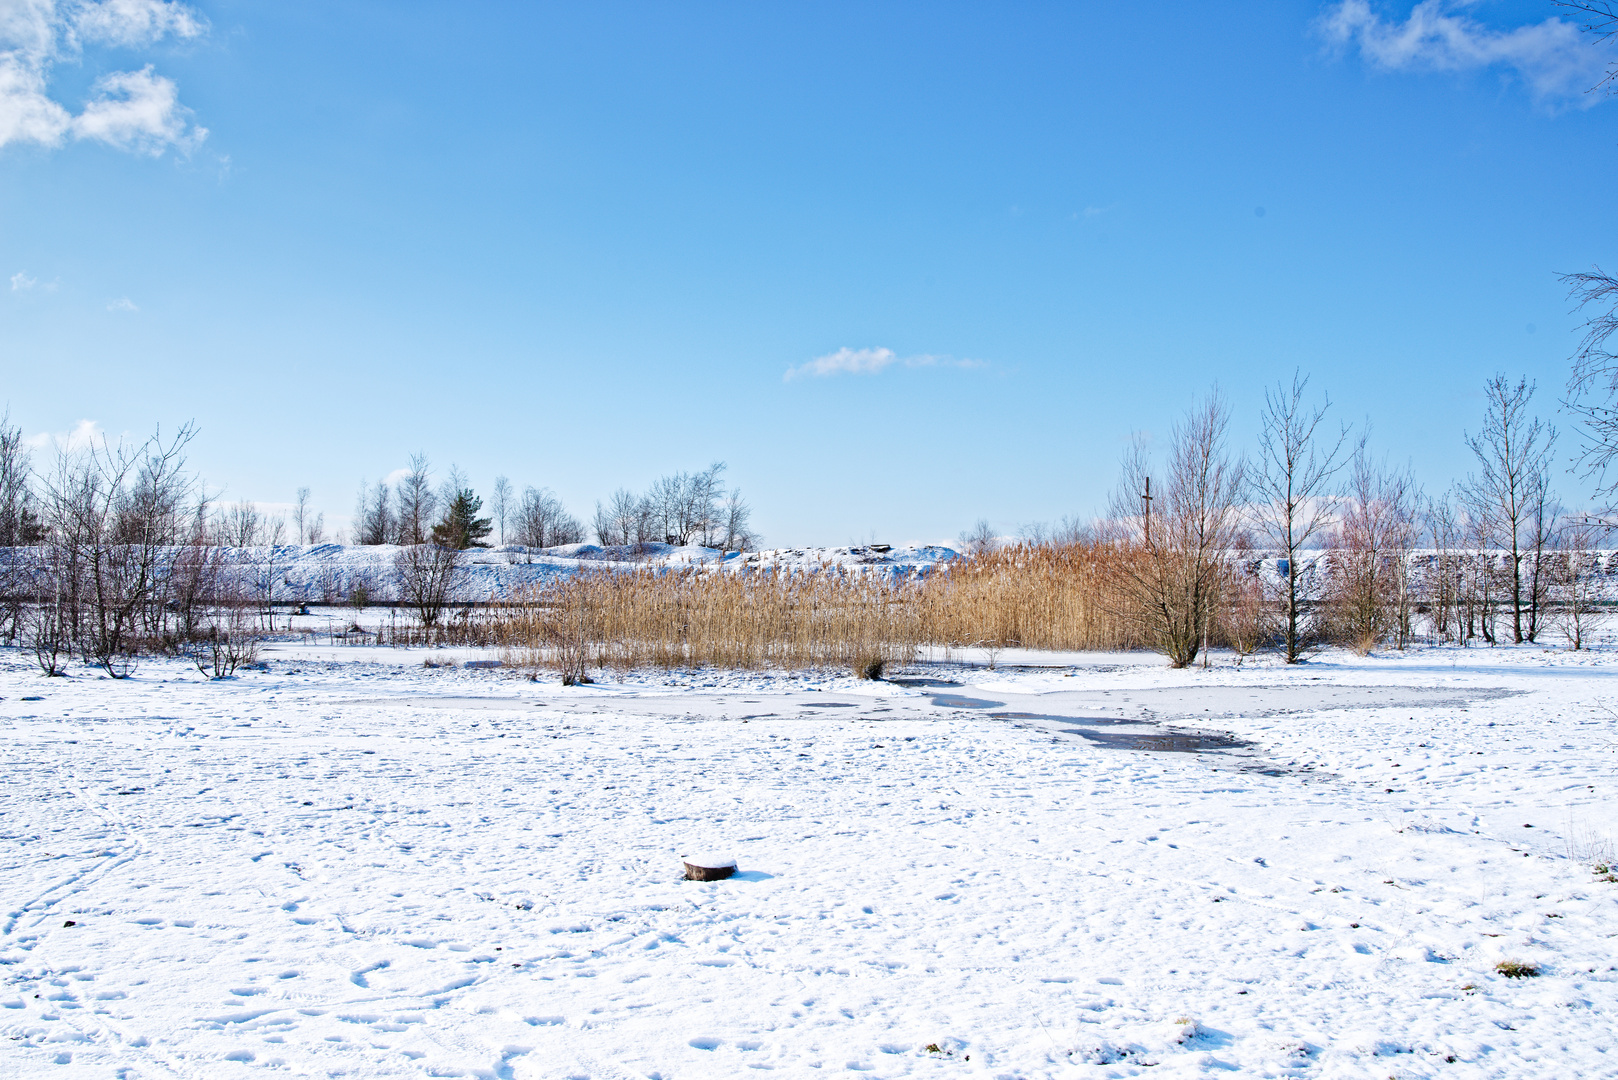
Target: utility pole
1146	501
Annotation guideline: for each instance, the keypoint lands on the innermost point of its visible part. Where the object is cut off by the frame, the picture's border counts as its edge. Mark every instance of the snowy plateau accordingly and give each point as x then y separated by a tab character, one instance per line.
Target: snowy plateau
348	864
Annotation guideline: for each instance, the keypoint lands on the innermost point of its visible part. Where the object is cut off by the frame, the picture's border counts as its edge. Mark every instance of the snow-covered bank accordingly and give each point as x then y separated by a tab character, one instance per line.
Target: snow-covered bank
331	573
382	871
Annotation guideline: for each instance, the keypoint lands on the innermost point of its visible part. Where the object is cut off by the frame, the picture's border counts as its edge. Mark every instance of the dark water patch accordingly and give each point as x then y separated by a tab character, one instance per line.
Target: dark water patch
1173	742
954	701
1052	717
918	681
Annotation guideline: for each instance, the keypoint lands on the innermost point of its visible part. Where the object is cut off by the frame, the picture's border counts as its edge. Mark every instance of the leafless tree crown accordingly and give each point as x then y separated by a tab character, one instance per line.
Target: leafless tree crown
1509	496
1292	488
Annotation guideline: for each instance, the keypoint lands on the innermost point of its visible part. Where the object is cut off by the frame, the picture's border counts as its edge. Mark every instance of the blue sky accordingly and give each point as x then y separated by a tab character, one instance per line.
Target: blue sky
900	265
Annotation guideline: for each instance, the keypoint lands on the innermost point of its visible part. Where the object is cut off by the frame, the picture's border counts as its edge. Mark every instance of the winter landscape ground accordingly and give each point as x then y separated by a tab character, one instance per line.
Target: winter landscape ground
349	864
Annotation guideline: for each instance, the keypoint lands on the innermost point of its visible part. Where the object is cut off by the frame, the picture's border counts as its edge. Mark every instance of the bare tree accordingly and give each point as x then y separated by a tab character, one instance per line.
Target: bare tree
1443	574
301	518
1368	592
684	507
19	519
979	539
500	506
1592	387
428	578
647	530
19	527
49	633
228	640
1173	584
200	574
542	521
736	519
1540	528
1481	580
1292	488
241	526
1248	619
617	522
1576	578
373	515
1068	531
606	529
1511	489
112	513
1600	20
417	502
268	572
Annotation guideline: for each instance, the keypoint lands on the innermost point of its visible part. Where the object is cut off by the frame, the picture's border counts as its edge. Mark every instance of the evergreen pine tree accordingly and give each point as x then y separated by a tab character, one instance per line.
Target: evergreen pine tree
461	527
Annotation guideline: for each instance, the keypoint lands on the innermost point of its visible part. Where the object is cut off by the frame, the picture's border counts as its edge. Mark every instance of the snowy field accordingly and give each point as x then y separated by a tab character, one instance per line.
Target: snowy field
352	865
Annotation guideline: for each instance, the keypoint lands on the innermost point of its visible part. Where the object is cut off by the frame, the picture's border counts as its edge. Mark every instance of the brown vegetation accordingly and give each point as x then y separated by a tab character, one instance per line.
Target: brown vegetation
830	618
1039	596
1033	596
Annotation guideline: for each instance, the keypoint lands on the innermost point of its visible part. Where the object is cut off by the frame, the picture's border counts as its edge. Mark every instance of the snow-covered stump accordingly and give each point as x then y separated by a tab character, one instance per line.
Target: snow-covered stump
708	867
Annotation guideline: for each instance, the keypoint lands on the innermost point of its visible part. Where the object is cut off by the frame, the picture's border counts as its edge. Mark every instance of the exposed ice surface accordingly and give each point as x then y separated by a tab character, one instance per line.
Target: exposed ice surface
350	865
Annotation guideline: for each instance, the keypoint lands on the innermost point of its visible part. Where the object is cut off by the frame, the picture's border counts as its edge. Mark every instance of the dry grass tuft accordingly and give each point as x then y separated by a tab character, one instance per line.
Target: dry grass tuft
870	667
1517	969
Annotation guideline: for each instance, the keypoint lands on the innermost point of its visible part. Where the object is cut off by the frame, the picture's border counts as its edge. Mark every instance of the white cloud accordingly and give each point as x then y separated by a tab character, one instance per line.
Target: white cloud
136	110
846	361
123	303
85	433
1552	57
132	110
132	23
21	282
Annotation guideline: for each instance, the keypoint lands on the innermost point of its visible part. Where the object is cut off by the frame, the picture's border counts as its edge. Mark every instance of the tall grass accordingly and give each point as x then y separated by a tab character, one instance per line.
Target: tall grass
1036	596
692	618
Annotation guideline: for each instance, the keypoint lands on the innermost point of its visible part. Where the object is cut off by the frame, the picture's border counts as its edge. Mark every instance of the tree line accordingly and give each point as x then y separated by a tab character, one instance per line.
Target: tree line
681	508
1499	558
114	551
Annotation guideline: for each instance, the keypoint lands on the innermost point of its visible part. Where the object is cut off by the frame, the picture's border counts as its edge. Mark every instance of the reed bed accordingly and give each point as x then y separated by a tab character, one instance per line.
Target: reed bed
695	618
1035	596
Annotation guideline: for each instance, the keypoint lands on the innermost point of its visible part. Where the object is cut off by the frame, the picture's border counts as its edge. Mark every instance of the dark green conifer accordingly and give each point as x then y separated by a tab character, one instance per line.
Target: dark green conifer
461	527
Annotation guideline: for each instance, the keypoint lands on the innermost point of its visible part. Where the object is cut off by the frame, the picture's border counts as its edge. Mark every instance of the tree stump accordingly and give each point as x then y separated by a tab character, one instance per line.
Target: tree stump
708	867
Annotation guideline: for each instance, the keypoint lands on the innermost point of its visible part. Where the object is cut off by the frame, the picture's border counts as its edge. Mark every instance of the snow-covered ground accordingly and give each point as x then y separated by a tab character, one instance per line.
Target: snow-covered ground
352	865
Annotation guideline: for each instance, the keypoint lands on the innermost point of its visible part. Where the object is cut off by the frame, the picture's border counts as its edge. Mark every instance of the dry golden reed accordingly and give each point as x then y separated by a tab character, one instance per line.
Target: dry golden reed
693	618
1038	596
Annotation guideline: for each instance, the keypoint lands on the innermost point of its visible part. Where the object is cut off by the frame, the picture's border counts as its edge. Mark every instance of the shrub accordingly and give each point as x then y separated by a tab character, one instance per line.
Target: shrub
870	666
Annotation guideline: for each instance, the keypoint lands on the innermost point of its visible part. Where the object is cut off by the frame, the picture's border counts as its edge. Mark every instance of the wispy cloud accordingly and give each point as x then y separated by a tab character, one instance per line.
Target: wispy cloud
846	361
85	433
21	282
131	110
123	303
1552	57
133	23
